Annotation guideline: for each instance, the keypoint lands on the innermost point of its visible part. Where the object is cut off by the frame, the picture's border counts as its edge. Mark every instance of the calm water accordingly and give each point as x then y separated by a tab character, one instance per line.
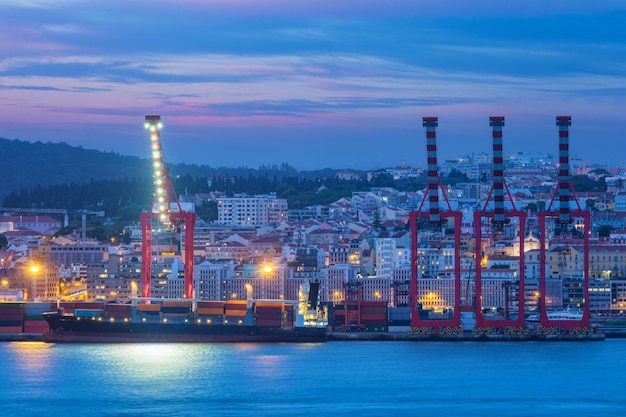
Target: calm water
337	378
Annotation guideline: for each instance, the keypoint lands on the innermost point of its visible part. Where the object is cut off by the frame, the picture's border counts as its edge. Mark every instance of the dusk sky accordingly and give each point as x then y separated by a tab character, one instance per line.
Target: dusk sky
341	83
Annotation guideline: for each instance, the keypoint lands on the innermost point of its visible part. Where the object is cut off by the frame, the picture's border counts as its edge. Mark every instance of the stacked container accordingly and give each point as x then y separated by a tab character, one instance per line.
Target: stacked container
235	311
374	316
117	311
149	312
12	317
210	312
176	311
34	321
399	319
269	314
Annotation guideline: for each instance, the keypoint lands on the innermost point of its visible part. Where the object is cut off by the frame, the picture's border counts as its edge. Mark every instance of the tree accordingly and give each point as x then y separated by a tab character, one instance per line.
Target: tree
3	241
605	230
376	220
454	177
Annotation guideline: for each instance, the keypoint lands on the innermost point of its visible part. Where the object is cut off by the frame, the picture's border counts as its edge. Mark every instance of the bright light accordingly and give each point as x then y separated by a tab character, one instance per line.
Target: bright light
146	125
34	269
267	269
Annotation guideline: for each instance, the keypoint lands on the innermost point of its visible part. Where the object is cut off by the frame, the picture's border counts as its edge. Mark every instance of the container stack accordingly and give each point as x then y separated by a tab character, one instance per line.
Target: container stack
176	311
269	314
117	311
12	317
374	316
235	311
34	321
399	319
210	312
149	312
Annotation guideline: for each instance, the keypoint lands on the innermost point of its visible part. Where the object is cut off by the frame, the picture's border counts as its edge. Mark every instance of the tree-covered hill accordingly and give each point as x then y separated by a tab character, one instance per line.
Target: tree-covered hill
26	166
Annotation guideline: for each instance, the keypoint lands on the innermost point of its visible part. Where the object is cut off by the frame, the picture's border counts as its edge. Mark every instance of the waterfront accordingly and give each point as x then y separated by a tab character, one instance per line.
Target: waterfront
338	378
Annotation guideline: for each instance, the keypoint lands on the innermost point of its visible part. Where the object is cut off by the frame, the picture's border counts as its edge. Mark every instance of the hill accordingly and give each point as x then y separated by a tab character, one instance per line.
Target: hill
27	165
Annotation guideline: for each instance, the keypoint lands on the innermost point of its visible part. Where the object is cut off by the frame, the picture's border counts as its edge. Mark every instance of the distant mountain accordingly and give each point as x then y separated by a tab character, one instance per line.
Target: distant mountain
26	165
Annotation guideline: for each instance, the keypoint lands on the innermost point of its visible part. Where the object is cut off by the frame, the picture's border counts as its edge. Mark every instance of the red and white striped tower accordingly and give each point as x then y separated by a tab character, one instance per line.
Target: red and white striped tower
437	218
500	217
566	195
430	123
564	122
496	123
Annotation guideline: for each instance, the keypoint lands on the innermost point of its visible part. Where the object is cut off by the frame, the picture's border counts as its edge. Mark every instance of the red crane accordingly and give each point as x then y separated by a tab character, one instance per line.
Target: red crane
165	210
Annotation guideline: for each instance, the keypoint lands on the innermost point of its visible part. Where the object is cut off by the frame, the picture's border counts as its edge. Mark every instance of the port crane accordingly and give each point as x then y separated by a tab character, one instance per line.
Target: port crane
165	212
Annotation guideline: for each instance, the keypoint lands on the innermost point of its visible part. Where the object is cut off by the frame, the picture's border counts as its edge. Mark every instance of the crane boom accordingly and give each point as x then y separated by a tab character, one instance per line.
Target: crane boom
167	209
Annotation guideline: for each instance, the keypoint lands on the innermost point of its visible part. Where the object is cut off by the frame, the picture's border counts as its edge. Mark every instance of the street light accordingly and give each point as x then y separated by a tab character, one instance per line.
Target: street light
34	270
267	270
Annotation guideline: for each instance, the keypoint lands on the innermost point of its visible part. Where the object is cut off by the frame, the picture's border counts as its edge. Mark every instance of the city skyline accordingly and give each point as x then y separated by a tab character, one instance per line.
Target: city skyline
324	84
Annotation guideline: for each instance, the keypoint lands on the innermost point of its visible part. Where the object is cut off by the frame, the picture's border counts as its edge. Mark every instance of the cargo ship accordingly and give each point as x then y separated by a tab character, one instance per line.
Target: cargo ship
187	321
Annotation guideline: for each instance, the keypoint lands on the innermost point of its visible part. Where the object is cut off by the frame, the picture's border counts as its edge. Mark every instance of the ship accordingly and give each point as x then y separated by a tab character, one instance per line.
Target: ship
155	320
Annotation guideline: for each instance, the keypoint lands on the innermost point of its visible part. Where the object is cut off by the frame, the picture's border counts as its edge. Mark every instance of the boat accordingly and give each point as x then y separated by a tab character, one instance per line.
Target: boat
190	321
557	315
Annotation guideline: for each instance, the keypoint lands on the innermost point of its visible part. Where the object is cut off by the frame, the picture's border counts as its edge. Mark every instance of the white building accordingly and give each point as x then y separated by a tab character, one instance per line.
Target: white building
257	211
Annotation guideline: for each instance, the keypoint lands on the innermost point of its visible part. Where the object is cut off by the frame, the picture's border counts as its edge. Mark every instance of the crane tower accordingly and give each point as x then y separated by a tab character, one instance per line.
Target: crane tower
434	221
165	210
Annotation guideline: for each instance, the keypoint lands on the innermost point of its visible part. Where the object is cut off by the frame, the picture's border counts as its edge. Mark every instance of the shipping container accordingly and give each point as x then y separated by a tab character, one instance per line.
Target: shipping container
400	322
174	310
12	323
211	304
149	307
34	318
117	307
11	329
268	323
35	326
10	305
236	305
179	304
210	310
33	309
399	329
84	312
89	305
235	313
12	316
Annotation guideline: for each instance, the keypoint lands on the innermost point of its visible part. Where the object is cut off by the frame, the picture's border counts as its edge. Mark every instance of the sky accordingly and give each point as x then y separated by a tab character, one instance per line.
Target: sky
316	84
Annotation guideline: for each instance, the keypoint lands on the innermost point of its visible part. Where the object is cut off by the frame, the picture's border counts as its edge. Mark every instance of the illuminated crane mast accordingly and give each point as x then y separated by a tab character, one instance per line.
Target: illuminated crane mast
165	208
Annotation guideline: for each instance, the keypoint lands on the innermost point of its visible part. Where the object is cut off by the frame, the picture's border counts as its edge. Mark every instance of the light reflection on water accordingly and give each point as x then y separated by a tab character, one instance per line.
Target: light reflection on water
364	378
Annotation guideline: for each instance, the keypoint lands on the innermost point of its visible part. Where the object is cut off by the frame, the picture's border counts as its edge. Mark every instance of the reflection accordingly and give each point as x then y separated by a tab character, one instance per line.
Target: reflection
31	357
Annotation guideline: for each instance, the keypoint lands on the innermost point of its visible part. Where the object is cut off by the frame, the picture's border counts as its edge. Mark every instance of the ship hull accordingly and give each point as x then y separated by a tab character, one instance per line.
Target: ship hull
70	329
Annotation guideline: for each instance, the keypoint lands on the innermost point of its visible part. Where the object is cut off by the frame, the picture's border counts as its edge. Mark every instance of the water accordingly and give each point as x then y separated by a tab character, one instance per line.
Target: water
336	378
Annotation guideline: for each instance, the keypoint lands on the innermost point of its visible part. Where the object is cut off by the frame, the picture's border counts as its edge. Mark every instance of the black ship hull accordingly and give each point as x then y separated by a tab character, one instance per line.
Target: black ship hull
71	329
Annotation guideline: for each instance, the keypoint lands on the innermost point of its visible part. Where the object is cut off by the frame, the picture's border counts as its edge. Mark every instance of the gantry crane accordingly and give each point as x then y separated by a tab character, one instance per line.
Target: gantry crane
165	210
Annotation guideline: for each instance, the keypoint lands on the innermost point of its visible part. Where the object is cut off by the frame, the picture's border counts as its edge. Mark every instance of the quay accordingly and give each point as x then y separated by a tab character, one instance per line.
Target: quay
408	337
464	337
